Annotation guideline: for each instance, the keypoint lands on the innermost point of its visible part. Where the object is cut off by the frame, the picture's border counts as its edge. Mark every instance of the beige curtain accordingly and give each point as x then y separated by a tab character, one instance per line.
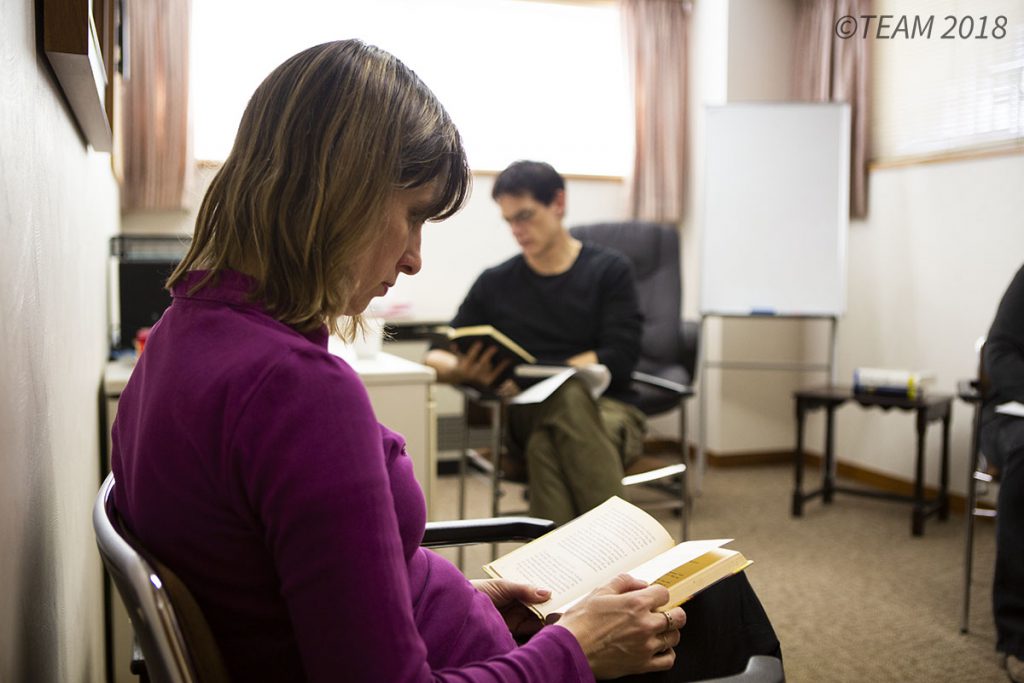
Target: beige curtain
832	69
656	45
157	163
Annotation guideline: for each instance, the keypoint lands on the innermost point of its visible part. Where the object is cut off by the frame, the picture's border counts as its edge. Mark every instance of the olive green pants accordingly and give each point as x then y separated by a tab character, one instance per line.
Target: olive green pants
575	449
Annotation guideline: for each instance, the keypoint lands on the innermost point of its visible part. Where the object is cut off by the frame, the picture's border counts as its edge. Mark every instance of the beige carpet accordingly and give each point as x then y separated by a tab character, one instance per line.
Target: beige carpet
853	596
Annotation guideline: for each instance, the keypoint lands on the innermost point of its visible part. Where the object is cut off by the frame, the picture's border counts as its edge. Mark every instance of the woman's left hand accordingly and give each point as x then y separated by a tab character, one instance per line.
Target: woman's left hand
508	597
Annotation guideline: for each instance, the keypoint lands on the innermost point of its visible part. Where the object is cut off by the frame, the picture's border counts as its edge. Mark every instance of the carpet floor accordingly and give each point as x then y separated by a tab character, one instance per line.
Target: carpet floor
852	595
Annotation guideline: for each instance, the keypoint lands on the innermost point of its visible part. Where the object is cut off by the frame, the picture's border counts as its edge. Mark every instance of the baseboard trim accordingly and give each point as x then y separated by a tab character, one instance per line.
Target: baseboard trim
748	458
845	470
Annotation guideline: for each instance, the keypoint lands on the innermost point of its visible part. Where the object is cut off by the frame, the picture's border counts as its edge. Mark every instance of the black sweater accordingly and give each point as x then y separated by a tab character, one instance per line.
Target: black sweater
1004	347
590	307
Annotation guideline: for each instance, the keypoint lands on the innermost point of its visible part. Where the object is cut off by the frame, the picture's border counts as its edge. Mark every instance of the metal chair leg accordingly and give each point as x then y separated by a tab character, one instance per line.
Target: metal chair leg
969	513
497	438
686	500
463	472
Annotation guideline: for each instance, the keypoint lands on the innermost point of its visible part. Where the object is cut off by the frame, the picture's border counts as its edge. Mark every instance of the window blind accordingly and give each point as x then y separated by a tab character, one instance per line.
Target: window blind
935	96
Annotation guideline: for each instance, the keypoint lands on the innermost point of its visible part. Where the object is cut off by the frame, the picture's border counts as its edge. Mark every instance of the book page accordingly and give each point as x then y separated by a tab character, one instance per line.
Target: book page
1014	408
668	561
654	569
585	553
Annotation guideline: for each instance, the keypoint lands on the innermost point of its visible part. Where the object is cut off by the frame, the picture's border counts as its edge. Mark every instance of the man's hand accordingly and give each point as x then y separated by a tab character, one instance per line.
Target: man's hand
475	366
581	359
508	597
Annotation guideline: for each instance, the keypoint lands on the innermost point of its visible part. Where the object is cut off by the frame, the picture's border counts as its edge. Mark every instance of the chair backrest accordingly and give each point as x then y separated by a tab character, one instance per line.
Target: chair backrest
175	640
653	249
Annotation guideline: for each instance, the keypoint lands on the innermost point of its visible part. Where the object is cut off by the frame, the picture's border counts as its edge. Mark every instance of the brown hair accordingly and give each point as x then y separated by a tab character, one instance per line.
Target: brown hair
324	142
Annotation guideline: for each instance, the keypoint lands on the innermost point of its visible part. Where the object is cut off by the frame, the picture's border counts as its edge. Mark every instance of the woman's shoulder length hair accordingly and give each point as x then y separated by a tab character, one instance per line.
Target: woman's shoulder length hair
324	142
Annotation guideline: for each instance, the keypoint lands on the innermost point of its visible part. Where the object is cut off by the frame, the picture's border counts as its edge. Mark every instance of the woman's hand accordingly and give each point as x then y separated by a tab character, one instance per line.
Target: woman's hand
620	632
508	597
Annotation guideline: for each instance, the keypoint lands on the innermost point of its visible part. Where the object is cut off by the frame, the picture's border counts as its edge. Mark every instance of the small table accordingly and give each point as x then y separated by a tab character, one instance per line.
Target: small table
930	408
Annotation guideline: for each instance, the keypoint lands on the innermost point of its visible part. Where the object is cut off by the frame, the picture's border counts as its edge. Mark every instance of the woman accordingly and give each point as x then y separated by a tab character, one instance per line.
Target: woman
247	458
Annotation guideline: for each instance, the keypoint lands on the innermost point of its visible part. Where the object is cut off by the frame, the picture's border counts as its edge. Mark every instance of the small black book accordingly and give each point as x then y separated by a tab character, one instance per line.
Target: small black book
488	335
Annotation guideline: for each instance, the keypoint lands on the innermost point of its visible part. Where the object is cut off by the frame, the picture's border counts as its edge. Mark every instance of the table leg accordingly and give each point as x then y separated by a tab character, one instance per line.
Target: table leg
944	474
798	462
828	483
917	522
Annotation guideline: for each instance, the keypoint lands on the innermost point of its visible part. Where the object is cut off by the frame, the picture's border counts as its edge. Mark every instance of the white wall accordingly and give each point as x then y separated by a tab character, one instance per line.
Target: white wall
742	52
926	272
58	206
454	252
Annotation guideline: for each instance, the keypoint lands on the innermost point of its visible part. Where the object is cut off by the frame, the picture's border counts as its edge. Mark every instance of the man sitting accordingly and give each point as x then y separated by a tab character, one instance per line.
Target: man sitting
1002	442
565	303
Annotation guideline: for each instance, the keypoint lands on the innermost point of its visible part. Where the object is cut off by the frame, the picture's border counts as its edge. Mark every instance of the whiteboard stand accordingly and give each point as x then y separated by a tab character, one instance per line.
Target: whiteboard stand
705	364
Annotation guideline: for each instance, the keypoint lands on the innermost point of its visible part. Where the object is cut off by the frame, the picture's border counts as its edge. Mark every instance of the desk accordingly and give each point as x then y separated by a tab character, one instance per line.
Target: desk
931	408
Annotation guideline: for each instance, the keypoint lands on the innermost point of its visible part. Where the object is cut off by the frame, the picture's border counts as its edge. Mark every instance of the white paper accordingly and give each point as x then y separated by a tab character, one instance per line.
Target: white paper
1015	408
597	377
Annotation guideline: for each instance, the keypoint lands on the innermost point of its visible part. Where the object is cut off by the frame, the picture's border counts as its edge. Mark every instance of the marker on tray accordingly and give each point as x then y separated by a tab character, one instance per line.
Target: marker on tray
762	311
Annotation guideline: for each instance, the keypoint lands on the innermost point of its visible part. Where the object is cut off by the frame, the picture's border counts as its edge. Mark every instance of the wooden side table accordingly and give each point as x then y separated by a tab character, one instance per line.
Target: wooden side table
928	409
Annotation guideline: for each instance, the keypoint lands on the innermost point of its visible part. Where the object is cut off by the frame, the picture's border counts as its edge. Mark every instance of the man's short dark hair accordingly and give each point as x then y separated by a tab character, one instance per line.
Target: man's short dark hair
535	178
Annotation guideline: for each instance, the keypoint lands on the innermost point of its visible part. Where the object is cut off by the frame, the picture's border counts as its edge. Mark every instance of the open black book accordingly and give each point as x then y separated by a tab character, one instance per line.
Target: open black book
506	350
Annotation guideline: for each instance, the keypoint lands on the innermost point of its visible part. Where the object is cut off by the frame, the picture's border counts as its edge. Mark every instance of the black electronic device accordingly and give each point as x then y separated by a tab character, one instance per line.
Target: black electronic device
143	264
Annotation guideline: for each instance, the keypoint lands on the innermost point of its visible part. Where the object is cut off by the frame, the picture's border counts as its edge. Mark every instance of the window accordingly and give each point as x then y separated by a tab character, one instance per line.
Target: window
521	79
935	97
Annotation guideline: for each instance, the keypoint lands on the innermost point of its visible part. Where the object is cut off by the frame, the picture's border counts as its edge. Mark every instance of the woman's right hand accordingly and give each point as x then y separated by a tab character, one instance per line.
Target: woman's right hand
620	632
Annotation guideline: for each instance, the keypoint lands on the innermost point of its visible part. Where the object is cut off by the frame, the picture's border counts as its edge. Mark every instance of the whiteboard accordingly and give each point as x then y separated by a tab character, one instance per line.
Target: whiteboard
776	209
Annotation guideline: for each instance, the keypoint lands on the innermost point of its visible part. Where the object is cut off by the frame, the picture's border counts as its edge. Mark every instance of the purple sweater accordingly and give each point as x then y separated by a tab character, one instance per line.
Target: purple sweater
248	459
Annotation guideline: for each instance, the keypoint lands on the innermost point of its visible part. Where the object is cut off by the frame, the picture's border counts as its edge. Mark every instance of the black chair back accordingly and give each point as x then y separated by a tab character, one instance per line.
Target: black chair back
653	249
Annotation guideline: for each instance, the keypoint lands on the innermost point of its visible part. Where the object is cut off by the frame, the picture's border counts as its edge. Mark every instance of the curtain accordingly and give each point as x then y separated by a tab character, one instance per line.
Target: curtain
832	69
157	149
656	45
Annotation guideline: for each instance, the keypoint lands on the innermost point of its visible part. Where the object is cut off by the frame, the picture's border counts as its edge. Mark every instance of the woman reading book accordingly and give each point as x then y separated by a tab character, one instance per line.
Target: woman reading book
248	459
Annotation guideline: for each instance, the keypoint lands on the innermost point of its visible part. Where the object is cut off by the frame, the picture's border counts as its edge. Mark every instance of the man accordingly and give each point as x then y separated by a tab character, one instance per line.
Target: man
1002	442
564	302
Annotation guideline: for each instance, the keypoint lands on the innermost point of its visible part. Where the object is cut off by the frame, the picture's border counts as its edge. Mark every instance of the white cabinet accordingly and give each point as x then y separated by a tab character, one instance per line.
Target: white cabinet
402	395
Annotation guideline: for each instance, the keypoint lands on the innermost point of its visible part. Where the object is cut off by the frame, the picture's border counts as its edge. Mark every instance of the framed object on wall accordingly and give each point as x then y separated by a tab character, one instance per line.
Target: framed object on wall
82	42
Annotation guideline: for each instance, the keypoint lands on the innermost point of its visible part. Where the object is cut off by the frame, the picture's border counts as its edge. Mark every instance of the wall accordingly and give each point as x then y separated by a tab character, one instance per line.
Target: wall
454	252
742	52
58	206
926	271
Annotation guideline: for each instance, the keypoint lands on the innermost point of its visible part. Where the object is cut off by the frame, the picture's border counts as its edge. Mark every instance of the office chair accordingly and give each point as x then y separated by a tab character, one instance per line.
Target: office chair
979	475
665	373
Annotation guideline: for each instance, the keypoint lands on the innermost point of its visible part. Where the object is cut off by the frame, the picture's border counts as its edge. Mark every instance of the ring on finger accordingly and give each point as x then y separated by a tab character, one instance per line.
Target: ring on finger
669	624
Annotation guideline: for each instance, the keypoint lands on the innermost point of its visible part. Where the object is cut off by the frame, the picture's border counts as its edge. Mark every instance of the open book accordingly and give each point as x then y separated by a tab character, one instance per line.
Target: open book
465	337
615	537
